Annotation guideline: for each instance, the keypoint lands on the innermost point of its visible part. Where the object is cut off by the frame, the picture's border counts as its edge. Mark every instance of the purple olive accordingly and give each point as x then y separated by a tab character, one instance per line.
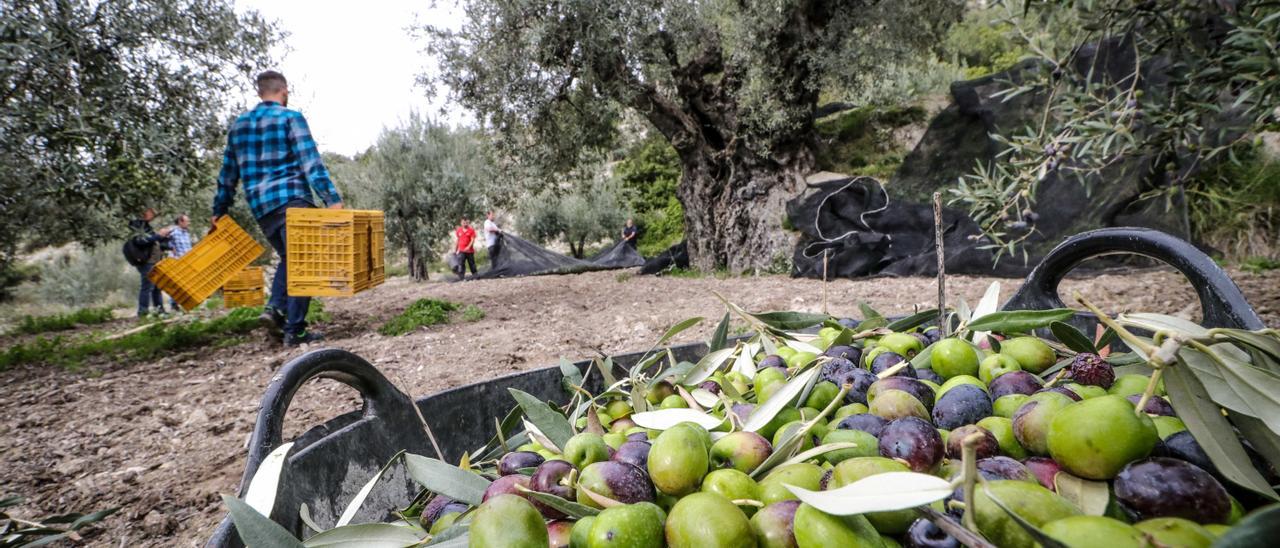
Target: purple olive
633	452
512	462
1014	382
913	440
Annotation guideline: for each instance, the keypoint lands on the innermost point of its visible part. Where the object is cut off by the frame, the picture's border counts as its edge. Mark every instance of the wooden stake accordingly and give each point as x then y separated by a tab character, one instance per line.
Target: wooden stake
942	264
824	282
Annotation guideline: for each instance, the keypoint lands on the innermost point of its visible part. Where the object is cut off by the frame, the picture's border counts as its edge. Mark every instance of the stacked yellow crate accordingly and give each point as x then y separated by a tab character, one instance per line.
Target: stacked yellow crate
245	289
208	266
334	252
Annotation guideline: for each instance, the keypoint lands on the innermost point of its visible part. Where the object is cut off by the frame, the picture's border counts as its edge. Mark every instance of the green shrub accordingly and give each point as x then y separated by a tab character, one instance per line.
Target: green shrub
1234	205
150	343
472	313
860	141
422	312
31	325
80	278
650	172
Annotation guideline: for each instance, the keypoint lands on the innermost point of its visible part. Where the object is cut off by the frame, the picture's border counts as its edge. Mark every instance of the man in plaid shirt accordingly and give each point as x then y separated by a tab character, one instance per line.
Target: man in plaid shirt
270	153
179	245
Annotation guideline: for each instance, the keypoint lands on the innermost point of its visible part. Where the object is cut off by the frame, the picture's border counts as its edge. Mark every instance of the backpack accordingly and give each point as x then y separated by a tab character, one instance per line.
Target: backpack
136	253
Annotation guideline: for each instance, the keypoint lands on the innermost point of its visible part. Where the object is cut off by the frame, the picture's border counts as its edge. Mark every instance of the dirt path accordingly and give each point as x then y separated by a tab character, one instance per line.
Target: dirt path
164	439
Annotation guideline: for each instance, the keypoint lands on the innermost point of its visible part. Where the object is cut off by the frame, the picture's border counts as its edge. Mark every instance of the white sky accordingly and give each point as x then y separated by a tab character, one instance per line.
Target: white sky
352	65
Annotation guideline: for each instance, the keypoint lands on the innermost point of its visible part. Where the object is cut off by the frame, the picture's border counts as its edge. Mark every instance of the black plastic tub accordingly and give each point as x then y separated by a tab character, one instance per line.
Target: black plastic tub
329	463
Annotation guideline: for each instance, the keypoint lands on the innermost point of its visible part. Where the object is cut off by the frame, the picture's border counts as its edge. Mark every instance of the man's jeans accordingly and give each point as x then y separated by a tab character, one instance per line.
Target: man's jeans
148	294
293	308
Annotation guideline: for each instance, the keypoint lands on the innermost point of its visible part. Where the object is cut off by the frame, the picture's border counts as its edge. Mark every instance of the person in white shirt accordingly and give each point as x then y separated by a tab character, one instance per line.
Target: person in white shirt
492	239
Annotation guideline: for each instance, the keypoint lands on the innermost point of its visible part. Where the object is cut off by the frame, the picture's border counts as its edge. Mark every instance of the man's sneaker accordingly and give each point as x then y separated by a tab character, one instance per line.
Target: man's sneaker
306	337
273	320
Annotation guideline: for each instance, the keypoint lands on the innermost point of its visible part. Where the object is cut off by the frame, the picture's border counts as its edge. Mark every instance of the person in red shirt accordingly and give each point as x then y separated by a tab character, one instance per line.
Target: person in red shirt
466	247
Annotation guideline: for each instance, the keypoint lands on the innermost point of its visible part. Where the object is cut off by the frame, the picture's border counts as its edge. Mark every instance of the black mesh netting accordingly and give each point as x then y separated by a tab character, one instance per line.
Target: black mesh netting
864	233
517	256
676	256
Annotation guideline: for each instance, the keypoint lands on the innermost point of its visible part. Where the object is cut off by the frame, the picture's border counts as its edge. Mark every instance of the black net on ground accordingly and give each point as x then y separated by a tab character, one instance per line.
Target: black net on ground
620	255
676	256
863	232
517	256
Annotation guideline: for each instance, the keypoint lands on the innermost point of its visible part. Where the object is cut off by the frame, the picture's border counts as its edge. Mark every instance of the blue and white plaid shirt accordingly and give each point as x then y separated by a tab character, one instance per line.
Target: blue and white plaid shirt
271	153
179	242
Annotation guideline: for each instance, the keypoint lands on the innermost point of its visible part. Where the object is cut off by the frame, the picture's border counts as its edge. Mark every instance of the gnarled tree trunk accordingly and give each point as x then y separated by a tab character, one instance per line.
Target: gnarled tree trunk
734	206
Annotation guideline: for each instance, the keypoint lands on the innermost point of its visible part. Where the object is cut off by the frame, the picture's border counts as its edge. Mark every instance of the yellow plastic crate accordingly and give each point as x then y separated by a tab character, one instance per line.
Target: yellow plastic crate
370	231
232	298
208	266
248	279
334	252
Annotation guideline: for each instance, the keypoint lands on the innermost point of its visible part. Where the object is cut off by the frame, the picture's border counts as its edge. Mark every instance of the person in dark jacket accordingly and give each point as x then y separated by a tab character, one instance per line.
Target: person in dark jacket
149	244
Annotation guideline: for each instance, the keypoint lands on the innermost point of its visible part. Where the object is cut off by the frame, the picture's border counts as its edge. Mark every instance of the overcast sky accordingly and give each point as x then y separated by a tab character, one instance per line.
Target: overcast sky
352	65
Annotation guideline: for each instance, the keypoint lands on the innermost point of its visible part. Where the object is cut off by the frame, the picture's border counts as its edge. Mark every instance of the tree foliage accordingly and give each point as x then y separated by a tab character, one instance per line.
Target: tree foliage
731	85
106	106
649	174
1212	83
590	209
430	176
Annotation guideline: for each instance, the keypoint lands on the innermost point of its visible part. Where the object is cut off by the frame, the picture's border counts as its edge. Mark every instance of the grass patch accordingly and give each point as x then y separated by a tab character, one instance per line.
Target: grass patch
31	325
472	313
677	272
422	312
316	313
1259	264
150	343
428	312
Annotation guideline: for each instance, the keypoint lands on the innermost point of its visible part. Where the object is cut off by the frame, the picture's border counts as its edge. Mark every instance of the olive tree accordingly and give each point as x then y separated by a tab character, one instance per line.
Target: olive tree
109	105
732	85
430	175
1198	80
588	211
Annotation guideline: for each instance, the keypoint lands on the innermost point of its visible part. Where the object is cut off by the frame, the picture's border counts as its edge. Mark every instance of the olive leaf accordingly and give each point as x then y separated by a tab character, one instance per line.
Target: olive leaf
1261	341
1091	497
878	493
662	419
722	332
789	321
552	424
913	321
745	363
261	494
1204	420
364	535
1259	529
869	313
358	501
1259	387
1072	338
801	346
769	409
568	507
1108	336
1019	321
987	305
256	529
1039	536
677	328
1162	322
446	479
572	376
706	366
457	535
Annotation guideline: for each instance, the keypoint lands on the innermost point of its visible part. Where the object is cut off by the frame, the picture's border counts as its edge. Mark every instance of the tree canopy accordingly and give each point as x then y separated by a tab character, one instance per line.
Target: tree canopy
732	85
107	106
431	175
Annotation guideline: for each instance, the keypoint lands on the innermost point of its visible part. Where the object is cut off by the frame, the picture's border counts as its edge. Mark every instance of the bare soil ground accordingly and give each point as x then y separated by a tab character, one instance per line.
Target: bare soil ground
163	439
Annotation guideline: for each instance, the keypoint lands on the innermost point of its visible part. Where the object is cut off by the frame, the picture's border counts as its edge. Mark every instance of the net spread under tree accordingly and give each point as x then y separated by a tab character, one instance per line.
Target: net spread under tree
520	257
733	86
